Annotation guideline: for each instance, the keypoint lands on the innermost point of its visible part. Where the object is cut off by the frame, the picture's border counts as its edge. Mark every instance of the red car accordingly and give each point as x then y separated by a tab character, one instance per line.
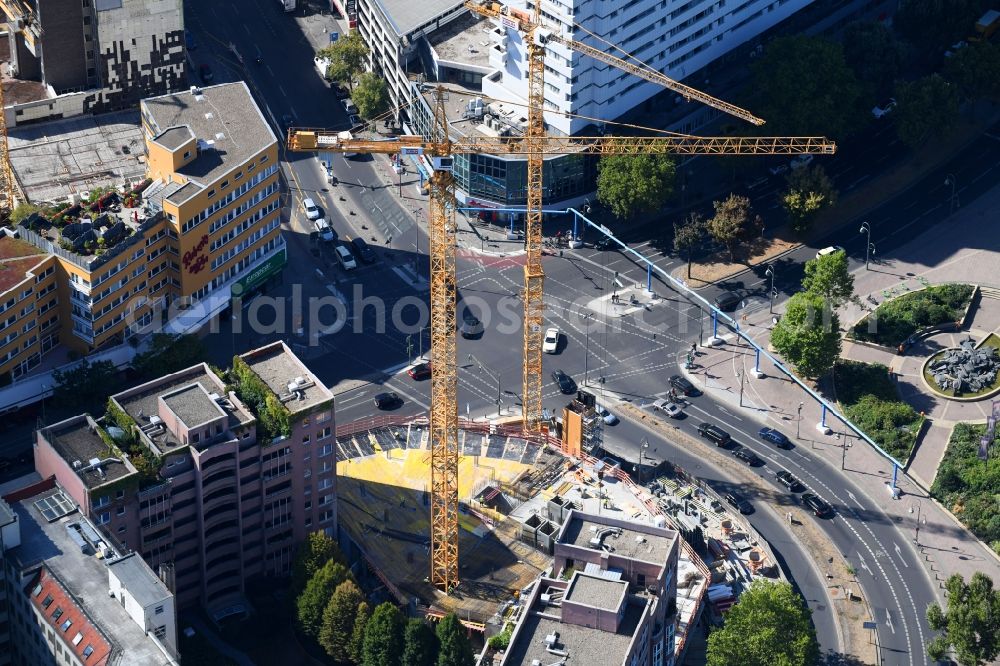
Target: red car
420	371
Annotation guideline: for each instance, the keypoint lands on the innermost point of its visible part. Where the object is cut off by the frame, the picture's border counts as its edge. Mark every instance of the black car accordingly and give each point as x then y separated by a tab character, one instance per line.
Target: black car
727	301
817	504
683	385
741	504
714	433
747	456
776	437
205	72
387	400
363	250
786	479
564	382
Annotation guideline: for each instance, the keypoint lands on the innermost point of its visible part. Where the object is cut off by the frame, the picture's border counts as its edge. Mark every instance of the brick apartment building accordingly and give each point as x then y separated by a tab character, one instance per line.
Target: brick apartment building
610	600
228	495
210	220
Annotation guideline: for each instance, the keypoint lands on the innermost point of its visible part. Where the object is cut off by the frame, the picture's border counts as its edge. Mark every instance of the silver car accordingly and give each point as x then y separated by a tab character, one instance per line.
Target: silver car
668	407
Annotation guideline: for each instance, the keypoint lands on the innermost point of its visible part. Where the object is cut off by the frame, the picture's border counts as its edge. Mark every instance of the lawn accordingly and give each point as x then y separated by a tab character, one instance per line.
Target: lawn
898	319
869	399
969	486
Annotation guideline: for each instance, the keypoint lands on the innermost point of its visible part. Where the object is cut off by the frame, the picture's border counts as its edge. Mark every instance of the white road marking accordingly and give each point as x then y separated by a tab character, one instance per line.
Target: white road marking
855	500
899	554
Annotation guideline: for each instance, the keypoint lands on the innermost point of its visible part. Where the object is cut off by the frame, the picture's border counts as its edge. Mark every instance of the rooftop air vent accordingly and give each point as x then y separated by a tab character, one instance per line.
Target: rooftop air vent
77	464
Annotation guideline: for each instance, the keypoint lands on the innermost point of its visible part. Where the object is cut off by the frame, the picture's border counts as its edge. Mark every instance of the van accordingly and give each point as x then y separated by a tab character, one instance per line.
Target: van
324	230
345	258
714	433
349	107
309	206
826	251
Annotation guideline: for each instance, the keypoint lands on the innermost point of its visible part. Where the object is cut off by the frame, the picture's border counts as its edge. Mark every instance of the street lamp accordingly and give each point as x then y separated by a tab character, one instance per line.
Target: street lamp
642	449
843	453
770	273
916	531
586	357
798	421
953	202
866	229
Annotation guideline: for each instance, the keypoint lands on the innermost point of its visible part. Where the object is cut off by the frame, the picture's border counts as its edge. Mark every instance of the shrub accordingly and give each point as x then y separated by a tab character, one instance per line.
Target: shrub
501	641
870	401
969	486
898	319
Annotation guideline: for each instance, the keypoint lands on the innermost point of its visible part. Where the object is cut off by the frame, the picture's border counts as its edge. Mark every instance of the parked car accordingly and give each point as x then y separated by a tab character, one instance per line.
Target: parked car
349	106
603	412
551	341
205	73
387	400
885	108
671	409
345	258
683	385
420	371
355	120
312	211
714	433
800	161
363	250
786	479
324	230
833	249
739	503
775	437
817	504
564	382
471	327
189	41
747	456
727	301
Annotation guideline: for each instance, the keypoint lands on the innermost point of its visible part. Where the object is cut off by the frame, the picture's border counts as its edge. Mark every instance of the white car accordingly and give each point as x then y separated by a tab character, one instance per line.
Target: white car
826	251
665	405
603	412
885	108
309	206
551	341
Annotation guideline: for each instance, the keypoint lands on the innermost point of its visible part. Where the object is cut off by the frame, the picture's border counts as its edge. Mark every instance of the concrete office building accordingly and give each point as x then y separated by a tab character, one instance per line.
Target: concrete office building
71	598
609	601
218	497
70	57
209	222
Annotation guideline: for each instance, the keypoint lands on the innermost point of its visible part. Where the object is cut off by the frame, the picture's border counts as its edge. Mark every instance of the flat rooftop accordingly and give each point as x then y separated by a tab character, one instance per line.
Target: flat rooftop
277	366
635	544
139	580
53	160
142	402
16	259
509	116
76	439
83	575
595	591
408	15
225	120
585	646
464	40
192	405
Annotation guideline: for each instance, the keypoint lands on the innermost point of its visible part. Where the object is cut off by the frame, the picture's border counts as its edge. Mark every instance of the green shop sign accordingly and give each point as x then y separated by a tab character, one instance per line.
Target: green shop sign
270	267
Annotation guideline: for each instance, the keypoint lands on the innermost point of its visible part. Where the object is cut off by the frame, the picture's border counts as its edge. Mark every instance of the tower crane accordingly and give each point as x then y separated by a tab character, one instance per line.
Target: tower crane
535	144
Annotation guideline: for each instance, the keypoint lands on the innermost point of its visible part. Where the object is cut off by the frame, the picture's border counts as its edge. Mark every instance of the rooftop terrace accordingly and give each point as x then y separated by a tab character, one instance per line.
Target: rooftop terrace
279	368
465	40
77	442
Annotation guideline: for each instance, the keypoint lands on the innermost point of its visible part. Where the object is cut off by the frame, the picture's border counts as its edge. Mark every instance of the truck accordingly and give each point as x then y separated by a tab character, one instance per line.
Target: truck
287	5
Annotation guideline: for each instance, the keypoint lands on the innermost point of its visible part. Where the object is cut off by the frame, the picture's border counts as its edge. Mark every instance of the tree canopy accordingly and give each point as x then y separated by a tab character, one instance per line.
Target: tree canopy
732	222
829	276
768	626
316	595
688	236
168	353
975	69
970	624
370	95
420	644
874	54
802	86
356	649
631	185
85	383
809	191
926	106
312	554
932	25
808	335
347	59
455	649
337	625
383	645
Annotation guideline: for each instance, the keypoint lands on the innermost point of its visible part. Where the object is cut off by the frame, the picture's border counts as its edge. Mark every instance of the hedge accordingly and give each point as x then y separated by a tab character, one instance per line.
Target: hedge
898	319
869	399
273	418
969	486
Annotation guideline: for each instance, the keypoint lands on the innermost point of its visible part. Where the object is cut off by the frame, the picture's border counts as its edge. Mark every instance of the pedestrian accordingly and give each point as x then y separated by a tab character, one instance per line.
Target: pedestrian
694	348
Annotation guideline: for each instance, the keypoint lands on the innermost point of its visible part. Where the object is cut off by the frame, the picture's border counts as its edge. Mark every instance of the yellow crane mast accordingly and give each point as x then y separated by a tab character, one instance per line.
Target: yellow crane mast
441	230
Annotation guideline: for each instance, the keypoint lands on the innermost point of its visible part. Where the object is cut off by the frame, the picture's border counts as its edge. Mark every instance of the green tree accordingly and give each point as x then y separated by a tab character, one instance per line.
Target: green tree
926	106
830	277
84	383
315	597
356	648
688	236
455	648
22	211
803	86
768	626
168	353
383	644
808	335
732	222
970	625
312	554
631	185
809	191
347	58
931	25
420	644
873	53
975	70
337	625
370	95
